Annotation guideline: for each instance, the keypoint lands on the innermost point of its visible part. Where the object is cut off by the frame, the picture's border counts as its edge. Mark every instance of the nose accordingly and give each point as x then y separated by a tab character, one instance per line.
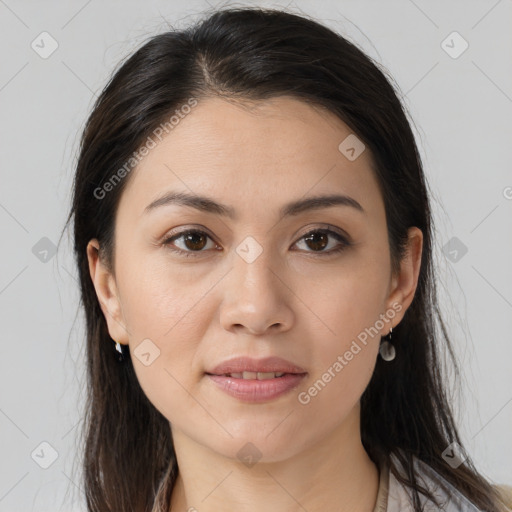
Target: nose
256	297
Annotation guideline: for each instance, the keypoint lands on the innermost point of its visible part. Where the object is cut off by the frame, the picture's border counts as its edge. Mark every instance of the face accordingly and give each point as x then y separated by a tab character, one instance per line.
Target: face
305	286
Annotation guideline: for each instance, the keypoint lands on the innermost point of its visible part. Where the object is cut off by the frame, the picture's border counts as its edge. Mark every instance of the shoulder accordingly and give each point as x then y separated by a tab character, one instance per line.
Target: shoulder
506	493
448	497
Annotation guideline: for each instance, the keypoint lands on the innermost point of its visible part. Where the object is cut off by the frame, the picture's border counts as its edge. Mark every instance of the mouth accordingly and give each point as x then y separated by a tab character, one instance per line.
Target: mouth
254	375
256	380
256	387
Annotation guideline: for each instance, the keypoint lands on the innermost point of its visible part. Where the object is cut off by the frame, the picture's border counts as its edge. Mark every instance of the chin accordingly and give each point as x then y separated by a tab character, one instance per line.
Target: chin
257	443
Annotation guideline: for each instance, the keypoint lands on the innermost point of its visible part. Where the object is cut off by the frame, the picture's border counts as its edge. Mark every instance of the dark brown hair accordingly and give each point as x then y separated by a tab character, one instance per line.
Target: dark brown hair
254	54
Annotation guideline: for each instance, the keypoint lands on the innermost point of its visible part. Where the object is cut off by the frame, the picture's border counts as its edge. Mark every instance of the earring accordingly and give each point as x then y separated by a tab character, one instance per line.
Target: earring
387	349
120	357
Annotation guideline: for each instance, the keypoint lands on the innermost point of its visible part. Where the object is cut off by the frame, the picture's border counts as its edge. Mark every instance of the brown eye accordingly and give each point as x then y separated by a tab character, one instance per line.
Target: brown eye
195	240
319	239
192	241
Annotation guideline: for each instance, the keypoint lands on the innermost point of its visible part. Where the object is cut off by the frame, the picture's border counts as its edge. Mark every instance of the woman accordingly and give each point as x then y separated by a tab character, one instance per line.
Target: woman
253	235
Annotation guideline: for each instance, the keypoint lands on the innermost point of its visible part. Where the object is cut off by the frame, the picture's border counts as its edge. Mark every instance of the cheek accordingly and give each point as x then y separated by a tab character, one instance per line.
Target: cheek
347	358
166	311
347	337
347	302
341	373
170	380
159	299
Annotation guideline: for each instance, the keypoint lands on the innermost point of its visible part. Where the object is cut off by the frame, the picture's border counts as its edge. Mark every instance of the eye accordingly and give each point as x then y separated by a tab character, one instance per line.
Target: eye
194	240
318	239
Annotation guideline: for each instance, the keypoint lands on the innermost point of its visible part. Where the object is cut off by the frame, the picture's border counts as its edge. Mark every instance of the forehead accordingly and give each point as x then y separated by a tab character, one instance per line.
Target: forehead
252	154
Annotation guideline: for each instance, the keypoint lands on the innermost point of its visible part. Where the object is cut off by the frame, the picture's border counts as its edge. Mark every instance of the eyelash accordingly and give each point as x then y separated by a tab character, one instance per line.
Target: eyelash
187	254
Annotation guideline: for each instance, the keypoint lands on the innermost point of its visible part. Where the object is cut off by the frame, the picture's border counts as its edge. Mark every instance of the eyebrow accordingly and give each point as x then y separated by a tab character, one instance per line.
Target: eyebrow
209	205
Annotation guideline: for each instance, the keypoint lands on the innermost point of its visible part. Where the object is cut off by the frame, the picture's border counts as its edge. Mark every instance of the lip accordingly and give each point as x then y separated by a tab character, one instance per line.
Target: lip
257	391
254	390
248	364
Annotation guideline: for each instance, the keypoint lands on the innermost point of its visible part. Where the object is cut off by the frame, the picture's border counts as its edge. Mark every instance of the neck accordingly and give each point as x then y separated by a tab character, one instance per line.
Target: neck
334	474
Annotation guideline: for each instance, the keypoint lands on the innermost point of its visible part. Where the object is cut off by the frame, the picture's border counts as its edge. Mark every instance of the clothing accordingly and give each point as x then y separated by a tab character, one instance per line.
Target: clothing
393	496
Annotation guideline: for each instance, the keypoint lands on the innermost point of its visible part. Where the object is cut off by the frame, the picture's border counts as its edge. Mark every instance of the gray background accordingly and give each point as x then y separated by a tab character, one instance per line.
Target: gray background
461	109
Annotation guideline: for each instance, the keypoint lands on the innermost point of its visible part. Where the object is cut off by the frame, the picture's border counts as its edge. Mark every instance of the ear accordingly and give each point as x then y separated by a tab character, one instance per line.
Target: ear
403	286
107	293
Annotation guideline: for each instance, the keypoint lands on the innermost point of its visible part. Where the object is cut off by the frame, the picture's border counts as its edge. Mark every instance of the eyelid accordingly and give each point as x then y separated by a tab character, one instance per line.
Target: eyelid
328	227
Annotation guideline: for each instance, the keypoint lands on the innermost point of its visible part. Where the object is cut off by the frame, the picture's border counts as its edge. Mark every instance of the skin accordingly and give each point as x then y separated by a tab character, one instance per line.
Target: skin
292	301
